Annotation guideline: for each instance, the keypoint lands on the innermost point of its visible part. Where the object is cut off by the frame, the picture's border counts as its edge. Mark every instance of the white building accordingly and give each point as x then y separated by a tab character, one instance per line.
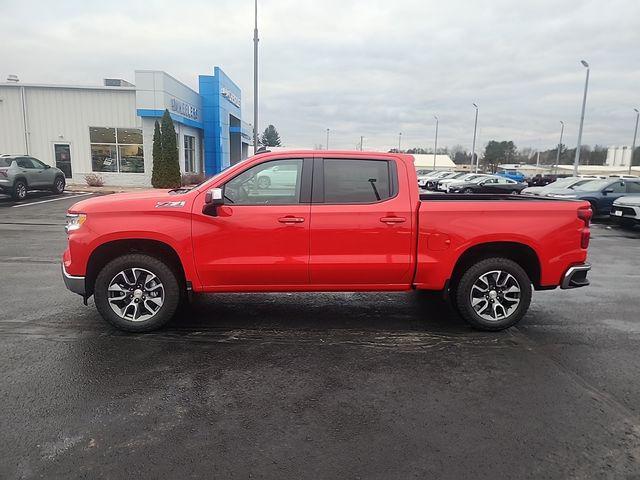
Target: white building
108	129
618	156
426	162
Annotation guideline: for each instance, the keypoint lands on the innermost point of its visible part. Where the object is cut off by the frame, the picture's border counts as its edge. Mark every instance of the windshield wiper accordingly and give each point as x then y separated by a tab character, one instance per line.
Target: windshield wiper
373	181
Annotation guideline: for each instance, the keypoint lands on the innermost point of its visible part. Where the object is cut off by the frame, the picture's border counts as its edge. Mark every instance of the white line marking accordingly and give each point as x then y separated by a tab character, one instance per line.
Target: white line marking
51	200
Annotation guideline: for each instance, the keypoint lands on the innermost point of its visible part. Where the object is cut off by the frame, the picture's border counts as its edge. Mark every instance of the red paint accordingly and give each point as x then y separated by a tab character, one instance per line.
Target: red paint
396	244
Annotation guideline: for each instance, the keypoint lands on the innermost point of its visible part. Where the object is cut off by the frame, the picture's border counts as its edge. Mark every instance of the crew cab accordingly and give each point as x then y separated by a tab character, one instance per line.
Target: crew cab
347	221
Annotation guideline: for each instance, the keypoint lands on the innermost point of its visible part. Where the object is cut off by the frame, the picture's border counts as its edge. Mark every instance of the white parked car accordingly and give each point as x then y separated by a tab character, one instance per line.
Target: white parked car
626	210
443	185
423	179
559	184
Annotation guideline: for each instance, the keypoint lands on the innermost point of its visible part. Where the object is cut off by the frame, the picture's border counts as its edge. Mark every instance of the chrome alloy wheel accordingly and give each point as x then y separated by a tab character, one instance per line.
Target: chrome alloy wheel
495	295
135	294
21	191
59	186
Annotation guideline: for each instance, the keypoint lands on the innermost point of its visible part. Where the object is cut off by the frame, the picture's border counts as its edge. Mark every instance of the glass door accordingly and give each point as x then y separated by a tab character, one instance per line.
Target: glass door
63	158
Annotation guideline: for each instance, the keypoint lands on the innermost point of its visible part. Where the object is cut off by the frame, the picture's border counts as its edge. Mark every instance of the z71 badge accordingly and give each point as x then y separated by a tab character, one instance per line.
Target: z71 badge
169	204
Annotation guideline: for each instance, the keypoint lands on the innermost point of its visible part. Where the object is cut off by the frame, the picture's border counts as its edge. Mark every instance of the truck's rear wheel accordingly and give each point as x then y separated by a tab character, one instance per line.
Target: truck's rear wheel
493	294
137	293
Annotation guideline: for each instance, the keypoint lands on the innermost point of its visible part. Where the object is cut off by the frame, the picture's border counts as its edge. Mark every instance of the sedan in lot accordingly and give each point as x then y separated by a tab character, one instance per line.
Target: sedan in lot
493	184
20	173
601	193
423	179
626	210
560	184
443	185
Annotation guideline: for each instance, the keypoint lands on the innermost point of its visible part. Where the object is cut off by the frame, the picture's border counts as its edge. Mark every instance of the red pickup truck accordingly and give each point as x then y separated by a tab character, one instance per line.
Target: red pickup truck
321	221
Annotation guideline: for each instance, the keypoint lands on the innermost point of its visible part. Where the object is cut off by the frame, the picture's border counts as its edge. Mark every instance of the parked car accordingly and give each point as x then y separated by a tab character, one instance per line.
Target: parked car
432	183
626	210
424	179
21	173
601	193
514	175
352	222
455	176
493	184
443	185
560	184
278	176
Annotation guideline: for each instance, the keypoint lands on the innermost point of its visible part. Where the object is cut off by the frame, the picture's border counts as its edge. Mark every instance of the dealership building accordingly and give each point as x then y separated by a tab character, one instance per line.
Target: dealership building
108	129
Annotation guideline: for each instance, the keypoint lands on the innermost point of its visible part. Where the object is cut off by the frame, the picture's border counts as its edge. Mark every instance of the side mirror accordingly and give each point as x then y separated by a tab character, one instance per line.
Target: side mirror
47	167
212	200
607	190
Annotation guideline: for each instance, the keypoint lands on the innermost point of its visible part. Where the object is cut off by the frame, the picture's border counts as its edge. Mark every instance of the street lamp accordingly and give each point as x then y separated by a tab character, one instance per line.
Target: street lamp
399	141
576	161
361	139
435	145
473	148
255	78
559	146
635	134
327	139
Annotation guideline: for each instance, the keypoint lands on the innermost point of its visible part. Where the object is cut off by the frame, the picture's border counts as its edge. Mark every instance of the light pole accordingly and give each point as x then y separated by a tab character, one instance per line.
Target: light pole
255	79
635	134
399	141
327	139
435	144
576	161
473	147
559	146
361	138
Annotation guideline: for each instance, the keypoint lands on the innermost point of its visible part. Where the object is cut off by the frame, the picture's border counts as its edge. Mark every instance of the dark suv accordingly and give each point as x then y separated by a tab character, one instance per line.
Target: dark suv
20	173
601	193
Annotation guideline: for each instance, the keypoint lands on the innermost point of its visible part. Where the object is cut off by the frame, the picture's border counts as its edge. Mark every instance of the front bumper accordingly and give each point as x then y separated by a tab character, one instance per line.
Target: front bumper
73	283
625	212
576	276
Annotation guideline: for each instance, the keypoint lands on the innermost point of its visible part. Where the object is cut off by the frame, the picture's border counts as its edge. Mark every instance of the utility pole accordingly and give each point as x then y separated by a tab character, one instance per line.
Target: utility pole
327	139
559	147
255	79
635	134
399	142
473	148
435	144
361	138
576	161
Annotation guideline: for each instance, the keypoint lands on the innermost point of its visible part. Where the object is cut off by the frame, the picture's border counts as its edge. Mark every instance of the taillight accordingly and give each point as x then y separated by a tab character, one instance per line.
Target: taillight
585	214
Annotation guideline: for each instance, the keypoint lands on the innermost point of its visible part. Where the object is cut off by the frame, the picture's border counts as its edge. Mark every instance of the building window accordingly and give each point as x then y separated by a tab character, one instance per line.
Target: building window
116	150
189	153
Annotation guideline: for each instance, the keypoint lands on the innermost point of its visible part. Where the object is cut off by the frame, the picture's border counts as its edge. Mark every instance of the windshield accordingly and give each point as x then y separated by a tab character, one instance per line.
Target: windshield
593	185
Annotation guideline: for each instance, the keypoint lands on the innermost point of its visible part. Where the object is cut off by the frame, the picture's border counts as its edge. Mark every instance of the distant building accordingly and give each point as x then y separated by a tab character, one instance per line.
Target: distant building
108	129
425	161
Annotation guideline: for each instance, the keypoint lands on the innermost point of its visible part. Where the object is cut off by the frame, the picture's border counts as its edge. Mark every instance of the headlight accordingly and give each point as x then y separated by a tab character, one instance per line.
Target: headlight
74	221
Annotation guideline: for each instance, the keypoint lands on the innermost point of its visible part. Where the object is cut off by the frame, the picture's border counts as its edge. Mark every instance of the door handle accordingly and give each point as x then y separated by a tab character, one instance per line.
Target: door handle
392	220
291	219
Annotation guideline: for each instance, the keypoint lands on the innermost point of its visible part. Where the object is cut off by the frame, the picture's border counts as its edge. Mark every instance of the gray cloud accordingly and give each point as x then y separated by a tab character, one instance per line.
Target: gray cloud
369	68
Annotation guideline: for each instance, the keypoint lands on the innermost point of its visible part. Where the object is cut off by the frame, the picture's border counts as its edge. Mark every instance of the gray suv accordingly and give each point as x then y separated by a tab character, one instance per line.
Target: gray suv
20	173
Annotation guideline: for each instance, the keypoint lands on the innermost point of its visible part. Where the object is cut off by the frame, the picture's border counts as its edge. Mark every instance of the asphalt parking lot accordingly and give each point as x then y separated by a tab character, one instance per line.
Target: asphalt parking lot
315	385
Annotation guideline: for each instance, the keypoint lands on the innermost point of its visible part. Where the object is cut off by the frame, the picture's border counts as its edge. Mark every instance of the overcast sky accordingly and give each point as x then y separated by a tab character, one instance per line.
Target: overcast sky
372	68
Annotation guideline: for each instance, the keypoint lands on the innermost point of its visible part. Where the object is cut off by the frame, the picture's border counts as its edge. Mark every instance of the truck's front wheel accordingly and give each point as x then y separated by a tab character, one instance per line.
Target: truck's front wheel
493	294
137	293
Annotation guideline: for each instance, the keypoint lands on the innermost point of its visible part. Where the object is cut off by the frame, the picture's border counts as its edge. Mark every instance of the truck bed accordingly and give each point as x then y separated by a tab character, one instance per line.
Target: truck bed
426	197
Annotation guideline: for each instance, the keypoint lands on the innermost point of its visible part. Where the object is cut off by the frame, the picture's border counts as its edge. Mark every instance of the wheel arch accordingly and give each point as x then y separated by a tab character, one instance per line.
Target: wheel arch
20	177
522	254
110	250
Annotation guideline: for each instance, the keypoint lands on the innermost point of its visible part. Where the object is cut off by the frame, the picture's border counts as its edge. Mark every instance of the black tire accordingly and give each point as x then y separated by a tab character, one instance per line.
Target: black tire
168	278
467	190
19	191
462	297
515	192
594	207
58	185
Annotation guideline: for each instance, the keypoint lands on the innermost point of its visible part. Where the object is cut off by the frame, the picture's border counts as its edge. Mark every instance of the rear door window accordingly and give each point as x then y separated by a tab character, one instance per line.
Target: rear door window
357	181
633	187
